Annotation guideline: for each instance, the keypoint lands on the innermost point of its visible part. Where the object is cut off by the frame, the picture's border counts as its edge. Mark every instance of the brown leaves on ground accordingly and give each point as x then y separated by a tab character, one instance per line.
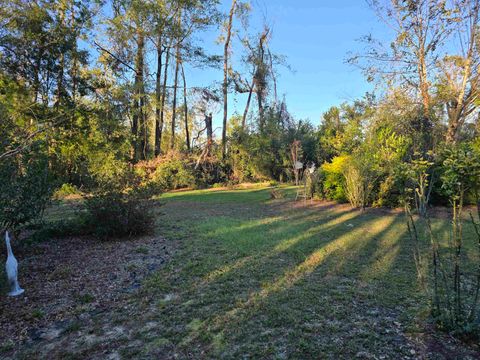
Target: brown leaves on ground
68	279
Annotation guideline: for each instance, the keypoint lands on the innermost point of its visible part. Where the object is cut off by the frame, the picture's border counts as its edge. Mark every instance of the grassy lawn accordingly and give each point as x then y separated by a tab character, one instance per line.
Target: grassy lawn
261	278
255	278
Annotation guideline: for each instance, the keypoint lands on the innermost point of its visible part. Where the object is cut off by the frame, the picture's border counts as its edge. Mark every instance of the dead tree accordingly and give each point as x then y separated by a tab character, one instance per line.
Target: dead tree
225	77
208	147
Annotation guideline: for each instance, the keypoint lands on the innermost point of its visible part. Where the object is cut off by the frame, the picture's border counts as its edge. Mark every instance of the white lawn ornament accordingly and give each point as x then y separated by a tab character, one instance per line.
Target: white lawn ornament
12	269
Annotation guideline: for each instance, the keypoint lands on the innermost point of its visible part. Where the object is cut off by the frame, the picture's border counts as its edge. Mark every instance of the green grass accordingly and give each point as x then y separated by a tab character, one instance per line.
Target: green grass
255	278
260	278
250	195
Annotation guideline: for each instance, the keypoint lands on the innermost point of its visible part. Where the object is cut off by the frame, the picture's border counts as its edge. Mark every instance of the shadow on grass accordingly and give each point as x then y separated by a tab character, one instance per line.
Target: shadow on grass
269	279
241	264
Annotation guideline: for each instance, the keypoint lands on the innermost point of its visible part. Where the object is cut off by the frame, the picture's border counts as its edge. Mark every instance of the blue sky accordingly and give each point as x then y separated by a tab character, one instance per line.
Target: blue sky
316	36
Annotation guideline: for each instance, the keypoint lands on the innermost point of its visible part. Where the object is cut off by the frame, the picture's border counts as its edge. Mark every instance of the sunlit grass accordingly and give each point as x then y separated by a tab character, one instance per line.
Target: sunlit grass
260	278
243	195
265	278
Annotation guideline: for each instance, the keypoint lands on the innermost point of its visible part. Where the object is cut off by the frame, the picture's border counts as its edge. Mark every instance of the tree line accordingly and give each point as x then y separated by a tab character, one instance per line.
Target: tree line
91	90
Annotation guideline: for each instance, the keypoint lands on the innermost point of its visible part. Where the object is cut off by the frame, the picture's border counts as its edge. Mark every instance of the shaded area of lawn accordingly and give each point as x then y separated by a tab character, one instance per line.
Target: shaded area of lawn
272	279
253	277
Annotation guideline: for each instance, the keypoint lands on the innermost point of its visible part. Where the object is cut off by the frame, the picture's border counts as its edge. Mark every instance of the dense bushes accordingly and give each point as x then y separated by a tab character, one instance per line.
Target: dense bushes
176	170
443	269
264	154
116	214
66	190
174	173
334	181
365	181
25	189
380	173
371	174
120	207
360	180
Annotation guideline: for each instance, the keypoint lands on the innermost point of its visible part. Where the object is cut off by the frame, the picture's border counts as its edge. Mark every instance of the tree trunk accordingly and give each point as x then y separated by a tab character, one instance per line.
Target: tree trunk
74	70
424	130
36	84
138	119
164	96
185	109
61	69
274	78
209	127
158	97
144	148
225	79
457	117
174	105
260	78
247	106
424	87
208	148
260	108
141	94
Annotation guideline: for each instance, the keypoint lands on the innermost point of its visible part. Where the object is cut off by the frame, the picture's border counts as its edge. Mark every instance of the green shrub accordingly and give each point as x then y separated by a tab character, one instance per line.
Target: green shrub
360	178
120	207
334	182
211	172
461	172
25	189
174	174
387	151
173	171
388	193
60	229
117	214
273	183
176	170
66	190
444	271
106	168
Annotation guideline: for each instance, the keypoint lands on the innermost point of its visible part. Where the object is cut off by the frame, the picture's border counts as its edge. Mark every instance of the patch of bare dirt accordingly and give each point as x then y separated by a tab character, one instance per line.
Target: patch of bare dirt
67	280
432	344
442	212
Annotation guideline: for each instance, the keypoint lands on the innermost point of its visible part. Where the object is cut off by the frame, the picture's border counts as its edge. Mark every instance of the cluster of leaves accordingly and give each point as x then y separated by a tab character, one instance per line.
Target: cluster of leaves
369	152
118	208
368	174
264	153
26	182
170	172
461	171
115	214
25	188
177	170
453	285
334	181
